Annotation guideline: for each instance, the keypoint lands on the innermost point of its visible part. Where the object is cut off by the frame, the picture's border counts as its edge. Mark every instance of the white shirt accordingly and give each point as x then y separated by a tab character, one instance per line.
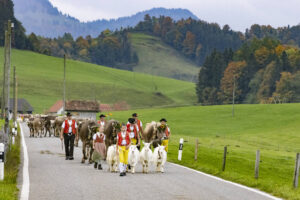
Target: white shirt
99	135
70	125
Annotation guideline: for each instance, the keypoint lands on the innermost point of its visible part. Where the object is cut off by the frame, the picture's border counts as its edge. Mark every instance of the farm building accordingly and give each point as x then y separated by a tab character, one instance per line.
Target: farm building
83	109
23	105
57	108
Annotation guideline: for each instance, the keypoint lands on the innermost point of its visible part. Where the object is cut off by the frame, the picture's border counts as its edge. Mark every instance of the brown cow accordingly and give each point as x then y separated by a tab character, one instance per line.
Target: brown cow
111	130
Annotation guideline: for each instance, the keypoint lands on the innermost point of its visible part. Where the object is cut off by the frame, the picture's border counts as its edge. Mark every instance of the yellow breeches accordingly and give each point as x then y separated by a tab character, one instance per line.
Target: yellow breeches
133	141
166	144
123	155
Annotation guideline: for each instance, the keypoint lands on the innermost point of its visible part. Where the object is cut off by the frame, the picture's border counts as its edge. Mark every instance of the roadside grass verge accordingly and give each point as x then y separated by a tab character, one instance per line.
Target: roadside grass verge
8	187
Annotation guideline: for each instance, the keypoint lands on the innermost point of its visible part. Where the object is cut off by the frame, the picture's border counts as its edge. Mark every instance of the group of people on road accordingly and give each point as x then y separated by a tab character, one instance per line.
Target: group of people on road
130	134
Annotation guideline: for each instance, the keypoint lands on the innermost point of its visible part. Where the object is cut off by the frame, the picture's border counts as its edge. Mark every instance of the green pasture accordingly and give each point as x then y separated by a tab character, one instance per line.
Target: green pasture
40	81
273	129
159	59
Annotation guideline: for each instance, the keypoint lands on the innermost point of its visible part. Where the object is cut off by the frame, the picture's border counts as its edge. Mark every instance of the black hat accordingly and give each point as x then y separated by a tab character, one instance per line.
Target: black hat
69	114
163	120
134	115
131	120
102	115
123	124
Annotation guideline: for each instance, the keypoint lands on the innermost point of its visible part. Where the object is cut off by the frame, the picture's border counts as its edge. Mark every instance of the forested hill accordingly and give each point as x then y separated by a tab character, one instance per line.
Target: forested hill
41	18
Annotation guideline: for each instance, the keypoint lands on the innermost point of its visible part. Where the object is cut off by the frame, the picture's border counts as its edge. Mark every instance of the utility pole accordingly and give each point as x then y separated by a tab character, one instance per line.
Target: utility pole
64	92
7	75
15	96
233	96
4	79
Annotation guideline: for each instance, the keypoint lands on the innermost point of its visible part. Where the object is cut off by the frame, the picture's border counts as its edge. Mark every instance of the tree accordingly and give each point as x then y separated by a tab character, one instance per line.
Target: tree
189	44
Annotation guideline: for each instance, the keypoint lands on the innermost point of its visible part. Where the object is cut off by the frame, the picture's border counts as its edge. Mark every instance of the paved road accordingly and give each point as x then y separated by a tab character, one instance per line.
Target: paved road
52	177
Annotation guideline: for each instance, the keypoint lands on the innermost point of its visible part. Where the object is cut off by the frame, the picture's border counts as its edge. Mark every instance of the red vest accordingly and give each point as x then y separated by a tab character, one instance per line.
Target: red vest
66	130
120	138
134	129
99	122
167	131
139	124
99	139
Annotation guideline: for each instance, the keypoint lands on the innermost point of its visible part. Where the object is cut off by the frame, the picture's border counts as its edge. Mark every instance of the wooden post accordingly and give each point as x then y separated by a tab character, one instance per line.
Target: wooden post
64	92
296	173
196	149
257	161
7	75
3	105
224	158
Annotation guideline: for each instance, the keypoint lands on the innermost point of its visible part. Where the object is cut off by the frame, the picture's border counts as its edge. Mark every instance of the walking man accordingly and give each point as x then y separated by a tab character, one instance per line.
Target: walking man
102	121
68	133
167	133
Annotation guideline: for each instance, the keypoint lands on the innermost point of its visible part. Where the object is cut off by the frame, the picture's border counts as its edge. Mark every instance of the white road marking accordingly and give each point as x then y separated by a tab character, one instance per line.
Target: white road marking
229	182
26	184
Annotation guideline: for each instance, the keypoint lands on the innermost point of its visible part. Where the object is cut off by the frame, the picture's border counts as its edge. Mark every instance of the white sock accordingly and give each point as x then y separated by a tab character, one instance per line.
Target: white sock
125	167
121	167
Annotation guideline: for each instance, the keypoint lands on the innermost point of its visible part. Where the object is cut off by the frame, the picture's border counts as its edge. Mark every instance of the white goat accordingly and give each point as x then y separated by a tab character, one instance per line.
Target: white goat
112	158
146	157
159	158
133	157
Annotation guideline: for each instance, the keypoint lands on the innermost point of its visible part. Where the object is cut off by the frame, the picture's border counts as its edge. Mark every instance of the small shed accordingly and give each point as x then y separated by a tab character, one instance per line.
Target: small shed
24	106
83	109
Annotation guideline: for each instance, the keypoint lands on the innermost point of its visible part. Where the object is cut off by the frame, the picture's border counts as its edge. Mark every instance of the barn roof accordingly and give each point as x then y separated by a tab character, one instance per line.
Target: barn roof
83	106
105	107
23	105
56	107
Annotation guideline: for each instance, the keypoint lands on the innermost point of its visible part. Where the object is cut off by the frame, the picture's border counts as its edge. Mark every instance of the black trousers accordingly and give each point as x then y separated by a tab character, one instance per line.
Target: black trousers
69	144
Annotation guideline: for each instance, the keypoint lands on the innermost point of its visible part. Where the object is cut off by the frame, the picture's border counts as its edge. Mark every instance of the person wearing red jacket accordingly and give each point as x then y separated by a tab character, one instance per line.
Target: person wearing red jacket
102	121
123	144
68	131
133	130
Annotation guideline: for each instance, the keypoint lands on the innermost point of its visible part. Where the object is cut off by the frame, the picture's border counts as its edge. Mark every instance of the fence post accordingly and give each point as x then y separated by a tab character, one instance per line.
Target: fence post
180	148
257	161
296	173
196	149
224	158
1	161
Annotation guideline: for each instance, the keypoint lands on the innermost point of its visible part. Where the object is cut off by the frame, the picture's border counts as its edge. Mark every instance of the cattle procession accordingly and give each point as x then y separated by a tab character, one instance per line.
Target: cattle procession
118	144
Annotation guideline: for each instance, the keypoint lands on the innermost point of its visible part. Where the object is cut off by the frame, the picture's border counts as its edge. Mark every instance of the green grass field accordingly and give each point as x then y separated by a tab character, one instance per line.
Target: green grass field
273	129
157	58
40	81
8	187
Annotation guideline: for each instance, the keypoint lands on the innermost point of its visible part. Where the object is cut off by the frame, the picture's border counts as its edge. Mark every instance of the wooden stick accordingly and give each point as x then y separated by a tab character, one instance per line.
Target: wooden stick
257	161
224	158
296	173
196	150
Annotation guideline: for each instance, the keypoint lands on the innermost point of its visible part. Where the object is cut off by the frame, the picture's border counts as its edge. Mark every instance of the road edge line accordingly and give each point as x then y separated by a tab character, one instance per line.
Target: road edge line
229	182
26	183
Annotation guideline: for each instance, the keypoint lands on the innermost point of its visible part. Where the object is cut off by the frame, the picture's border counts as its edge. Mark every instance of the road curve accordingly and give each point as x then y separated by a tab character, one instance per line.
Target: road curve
52	177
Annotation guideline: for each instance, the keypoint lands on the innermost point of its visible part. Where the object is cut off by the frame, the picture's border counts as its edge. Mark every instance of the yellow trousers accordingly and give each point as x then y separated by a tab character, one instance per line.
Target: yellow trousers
133	141
123	155
166	144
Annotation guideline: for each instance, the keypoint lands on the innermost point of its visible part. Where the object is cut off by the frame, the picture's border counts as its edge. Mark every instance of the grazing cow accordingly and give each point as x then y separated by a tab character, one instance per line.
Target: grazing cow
146	157
159	158
87	129
133	157
152	134
112	158
111	130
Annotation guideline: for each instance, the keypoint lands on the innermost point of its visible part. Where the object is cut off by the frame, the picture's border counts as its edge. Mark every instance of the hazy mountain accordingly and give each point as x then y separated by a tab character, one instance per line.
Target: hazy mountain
42	18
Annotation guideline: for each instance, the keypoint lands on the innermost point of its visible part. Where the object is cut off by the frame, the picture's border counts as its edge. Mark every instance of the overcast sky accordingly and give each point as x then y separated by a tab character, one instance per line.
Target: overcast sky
239	14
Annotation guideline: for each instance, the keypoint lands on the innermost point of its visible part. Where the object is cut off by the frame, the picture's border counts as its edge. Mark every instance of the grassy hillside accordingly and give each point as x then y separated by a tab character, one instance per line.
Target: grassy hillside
40	81
157	58
273	129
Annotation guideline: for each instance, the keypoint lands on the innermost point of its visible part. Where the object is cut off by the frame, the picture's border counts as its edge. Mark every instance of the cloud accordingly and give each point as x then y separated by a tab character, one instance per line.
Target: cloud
239	14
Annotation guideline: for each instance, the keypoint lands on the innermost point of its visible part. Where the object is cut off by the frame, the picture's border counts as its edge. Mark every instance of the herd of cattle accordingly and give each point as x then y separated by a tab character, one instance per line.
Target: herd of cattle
41	125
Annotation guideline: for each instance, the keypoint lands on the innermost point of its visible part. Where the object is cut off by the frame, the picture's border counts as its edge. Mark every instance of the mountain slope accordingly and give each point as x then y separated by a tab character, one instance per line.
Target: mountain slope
159	59
40	17
40	82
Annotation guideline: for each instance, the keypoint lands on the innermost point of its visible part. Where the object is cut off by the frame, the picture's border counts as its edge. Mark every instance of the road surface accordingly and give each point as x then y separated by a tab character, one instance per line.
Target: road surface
53	177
